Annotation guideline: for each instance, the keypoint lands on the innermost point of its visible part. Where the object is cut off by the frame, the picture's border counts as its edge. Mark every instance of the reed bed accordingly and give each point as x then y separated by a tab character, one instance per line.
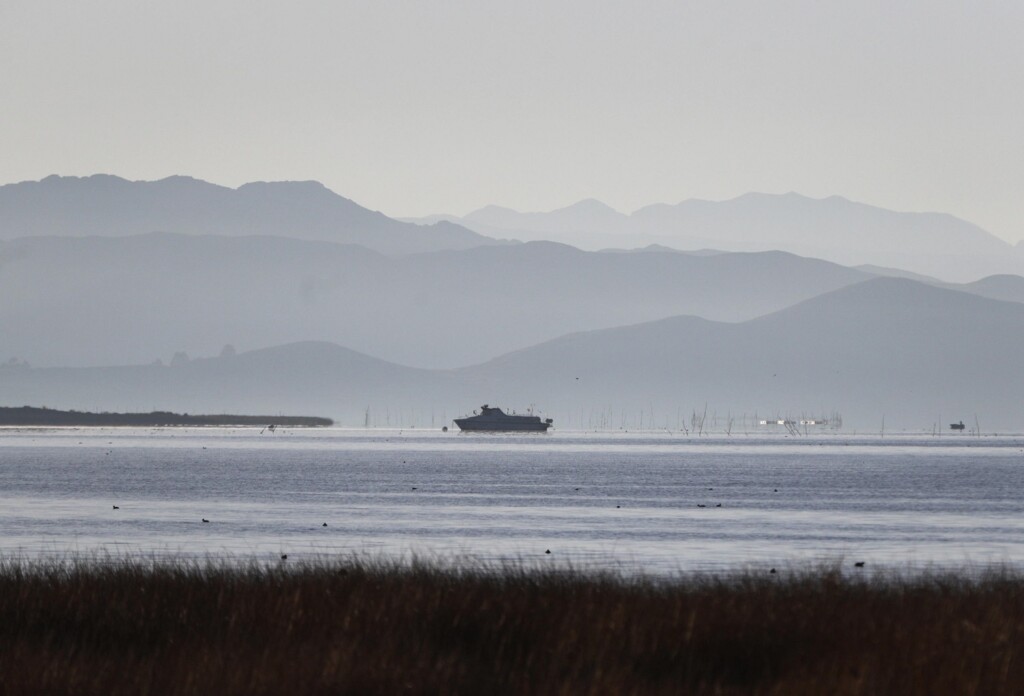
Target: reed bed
121	627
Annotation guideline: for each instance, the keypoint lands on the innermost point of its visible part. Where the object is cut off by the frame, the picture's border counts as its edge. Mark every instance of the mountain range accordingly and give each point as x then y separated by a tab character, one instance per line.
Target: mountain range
112	290
102	300
111	206
883	351
885	348
833	228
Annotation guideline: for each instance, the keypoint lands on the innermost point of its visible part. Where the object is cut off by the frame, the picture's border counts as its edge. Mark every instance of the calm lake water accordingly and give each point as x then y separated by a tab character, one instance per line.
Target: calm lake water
647	502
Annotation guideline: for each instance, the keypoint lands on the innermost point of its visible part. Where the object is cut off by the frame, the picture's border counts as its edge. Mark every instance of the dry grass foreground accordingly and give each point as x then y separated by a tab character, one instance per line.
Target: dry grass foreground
366	628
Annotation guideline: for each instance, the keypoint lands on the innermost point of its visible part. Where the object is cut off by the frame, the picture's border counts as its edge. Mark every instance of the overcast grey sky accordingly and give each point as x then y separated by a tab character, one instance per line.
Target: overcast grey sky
420	107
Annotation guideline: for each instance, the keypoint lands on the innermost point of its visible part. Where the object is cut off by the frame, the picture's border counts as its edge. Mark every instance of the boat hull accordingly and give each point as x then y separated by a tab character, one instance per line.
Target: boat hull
469	425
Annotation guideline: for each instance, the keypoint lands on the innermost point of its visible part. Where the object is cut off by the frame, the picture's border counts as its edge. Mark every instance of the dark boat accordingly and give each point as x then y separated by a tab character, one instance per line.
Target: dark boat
496	420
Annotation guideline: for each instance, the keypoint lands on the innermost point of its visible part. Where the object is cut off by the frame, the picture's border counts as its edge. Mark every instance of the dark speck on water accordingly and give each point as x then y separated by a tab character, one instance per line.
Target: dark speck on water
502	497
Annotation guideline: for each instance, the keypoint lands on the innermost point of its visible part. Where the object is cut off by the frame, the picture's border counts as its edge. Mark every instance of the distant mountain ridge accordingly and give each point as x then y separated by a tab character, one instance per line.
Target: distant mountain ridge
999	287
834	228
588	215
111	206
133	299
886	350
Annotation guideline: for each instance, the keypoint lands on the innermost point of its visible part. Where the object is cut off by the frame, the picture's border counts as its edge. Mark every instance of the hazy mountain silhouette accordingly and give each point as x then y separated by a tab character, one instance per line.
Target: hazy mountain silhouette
112	206
834	228
899	273
133	299
637	331
913	354
586	216
285	380
887	347
998	287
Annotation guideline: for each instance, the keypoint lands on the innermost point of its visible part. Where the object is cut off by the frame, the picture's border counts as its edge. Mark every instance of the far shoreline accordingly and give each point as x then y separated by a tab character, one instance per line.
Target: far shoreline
30	416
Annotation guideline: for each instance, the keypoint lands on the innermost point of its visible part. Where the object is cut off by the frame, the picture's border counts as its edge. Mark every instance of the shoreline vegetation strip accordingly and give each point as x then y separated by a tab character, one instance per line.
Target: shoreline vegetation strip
33	416
356	626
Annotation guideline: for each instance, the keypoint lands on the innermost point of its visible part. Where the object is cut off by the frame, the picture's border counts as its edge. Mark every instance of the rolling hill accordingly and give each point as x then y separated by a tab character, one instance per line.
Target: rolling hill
129	300
885	348
915	355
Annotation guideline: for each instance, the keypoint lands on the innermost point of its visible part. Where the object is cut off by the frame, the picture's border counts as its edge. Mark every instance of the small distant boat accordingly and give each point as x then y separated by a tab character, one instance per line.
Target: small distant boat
495	420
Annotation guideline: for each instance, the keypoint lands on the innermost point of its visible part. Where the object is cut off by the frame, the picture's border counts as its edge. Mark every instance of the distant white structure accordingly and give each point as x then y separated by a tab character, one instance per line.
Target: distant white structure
787	422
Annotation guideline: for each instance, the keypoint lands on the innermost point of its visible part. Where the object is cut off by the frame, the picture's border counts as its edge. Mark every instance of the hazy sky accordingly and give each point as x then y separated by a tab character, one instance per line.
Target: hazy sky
420	107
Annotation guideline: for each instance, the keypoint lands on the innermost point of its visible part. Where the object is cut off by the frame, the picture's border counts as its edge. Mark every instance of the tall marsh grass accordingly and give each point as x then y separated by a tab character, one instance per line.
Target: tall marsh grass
377	628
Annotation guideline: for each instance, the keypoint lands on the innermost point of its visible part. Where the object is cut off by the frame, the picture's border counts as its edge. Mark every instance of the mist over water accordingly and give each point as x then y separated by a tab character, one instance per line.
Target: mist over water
630	501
